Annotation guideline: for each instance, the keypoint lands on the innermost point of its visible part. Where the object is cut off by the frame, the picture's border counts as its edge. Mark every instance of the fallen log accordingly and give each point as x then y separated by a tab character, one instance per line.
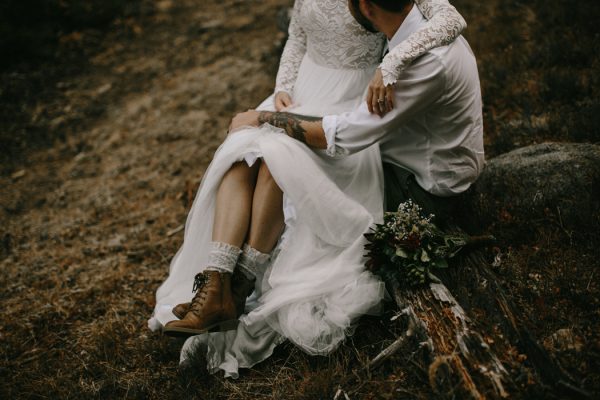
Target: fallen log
459	362
461	354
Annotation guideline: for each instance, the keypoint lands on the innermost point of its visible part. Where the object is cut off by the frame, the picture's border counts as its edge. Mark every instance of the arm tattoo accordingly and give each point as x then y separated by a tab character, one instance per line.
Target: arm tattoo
290	123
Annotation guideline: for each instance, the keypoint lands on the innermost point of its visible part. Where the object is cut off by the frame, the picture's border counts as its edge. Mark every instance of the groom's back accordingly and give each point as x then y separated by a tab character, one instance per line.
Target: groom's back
443	142
462	77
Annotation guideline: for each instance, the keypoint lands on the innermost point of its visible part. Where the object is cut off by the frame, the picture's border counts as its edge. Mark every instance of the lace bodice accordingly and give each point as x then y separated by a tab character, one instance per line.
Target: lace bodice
327	32
335	39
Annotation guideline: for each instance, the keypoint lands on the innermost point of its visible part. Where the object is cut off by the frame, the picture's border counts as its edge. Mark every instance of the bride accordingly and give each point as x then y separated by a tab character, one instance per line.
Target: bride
281	222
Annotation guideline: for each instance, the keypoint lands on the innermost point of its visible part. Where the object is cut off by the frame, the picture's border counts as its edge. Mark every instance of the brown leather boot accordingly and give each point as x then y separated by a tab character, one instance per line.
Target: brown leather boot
181	309
212	308
241	288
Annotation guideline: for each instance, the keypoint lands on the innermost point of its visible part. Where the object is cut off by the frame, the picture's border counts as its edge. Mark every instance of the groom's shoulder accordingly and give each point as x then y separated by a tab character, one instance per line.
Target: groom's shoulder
438	64
452	59
458	50
430	64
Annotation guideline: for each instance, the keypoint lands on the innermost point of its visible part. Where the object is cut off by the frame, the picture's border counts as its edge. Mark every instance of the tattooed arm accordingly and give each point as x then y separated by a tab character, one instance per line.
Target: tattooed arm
308	130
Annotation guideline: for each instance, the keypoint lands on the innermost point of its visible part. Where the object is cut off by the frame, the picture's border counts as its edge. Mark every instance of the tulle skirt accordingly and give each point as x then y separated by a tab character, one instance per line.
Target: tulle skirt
316	285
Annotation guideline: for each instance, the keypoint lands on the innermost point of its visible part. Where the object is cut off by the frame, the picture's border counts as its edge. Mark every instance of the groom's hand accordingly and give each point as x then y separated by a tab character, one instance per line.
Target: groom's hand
248	118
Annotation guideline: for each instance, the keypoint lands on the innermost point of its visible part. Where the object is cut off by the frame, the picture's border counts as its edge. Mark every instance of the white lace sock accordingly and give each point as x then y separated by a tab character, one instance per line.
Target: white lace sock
222	257
252	262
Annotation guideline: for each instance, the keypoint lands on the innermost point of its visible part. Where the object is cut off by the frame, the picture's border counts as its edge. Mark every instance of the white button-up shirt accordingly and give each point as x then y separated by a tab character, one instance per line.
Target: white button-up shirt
435	129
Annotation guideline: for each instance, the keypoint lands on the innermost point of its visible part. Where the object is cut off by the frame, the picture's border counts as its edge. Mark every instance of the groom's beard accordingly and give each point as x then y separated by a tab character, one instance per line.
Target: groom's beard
359	16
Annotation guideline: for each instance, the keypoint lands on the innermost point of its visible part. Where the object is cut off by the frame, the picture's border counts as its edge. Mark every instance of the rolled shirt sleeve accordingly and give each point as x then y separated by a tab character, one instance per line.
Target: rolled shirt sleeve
330	128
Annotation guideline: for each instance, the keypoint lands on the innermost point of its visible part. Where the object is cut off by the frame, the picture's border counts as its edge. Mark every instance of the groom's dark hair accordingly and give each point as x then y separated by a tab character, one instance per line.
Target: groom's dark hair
392	5
389	5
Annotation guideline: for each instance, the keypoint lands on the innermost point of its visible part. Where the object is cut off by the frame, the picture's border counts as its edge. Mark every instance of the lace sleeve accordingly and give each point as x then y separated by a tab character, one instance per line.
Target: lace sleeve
293	53
444	25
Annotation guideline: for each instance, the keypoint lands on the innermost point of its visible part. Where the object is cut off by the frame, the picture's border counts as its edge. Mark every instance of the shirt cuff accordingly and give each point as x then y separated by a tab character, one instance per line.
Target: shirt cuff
330	128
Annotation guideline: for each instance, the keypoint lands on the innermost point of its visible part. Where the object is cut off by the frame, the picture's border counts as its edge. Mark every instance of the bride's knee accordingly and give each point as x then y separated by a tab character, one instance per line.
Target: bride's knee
240	171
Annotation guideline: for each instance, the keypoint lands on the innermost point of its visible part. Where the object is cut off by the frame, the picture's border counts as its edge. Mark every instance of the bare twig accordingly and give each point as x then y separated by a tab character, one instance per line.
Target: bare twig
339	394
175	230
590	281
387	352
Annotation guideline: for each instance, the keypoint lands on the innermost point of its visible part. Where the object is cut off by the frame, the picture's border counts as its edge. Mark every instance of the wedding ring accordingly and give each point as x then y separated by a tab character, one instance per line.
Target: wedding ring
381	101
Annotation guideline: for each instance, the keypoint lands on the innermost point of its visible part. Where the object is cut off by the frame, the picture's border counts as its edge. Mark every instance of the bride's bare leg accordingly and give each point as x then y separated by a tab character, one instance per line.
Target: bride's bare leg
266	225
234	204
266	222
214	304
249	205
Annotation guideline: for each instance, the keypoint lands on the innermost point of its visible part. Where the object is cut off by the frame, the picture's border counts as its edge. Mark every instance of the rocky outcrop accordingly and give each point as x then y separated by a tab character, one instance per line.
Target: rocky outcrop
545	185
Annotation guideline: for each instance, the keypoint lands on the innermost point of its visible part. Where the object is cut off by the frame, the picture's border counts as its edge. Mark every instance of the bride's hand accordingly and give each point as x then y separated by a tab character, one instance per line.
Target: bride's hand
282	101
248	118
380	98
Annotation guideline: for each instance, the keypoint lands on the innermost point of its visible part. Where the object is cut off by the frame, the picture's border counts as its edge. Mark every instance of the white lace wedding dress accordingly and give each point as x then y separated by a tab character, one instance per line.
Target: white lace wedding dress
316	285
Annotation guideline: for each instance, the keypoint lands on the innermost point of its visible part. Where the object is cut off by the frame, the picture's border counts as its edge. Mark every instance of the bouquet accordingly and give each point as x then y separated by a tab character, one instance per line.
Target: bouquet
410	246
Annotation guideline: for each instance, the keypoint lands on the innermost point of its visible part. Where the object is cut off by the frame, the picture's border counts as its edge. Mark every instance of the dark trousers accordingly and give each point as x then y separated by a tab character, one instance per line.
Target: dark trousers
400	185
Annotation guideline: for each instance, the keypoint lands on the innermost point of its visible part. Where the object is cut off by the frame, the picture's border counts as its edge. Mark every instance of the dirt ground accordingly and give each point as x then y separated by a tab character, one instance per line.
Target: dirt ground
92	212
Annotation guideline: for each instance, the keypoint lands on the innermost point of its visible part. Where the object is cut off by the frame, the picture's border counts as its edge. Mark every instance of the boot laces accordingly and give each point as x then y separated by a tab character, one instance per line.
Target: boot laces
199	281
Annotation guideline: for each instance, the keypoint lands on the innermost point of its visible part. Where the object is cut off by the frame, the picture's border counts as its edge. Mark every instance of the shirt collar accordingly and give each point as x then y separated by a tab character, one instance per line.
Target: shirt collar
411	23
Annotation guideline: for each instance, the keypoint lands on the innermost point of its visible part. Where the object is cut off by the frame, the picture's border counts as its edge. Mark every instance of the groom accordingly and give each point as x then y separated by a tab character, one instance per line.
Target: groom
431	141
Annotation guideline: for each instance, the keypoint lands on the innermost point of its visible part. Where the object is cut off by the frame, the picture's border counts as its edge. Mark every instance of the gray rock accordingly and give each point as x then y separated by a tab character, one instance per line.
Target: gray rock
549	184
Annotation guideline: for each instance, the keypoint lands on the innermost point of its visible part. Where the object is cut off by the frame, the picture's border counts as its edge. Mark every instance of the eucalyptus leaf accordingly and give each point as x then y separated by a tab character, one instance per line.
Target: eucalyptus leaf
433	278
400	252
